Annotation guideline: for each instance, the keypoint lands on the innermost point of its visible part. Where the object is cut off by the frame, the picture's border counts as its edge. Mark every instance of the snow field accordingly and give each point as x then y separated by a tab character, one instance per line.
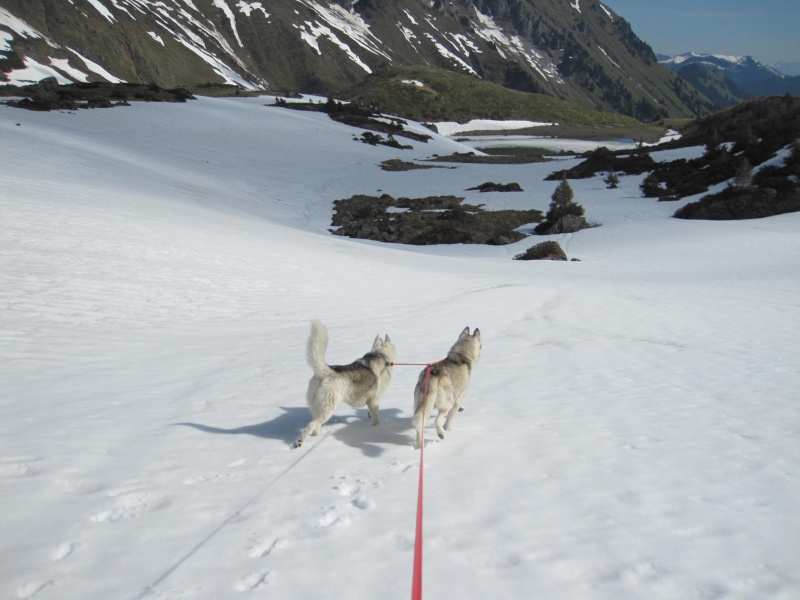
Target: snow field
630	431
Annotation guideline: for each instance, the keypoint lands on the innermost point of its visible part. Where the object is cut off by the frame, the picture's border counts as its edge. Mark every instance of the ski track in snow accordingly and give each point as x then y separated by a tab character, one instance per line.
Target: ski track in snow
630	431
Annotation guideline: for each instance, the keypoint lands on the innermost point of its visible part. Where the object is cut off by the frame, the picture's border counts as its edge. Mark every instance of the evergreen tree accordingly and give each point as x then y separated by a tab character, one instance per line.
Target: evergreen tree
612	181
651	186
562	203
564	215
744	175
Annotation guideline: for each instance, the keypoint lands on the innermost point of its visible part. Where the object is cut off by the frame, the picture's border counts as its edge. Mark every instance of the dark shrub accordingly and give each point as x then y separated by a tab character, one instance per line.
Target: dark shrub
741	203
549	250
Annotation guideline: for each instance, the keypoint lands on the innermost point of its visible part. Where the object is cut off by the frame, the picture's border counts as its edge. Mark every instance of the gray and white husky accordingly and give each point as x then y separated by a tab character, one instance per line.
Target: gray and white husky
447	384
361	383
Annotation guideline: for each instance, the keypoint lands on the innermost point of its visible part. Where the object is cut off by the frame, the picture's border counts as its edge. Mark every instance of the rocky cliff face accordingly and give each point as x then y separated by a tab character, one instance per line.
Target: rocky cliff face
576	50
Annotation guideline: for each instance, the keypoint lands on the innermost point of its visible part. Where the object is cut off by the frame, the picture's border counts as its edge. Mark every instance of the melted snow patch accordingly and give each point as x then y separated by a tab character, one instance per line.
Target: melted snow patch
608	12
414	82
576	5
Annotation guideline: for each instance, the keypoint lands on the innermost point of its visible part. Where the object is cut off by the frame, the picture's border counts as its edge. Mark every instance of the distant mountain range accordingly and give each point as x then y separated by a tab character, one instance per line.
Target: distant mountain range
727	80
575	50
788	67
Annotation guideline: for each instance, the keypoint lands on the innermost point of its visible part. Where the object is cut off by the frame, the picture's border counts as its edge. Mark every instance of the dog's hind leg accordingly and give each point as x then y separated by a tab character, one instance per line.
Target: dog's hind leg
324	411
313	427
452	415
418	422
438	421
372	409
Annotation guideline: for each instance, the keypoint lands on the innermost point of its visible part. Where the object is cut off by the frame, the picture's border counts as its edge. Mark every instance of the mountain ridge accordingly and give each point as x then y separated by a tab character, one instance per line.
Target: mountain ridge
728	79
579	51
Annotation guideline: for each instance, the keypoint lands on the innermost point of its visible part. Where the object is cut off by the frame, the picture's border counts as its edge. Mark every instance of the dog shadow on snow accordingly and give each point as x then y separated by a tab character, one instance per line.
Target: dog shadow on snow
354	430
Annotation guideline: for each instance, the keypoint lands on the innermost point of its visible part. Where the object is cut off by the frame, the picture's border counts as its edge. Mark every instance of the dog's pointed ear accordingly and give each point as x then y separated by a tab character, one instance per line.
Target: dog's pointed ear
386	339
378	341
477	333
464	333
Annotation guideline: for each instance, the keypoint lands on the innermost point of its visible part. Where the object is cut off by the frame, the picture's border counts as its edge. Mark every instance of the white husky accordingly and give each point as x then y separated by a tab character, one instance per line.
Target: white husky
447	384
361	383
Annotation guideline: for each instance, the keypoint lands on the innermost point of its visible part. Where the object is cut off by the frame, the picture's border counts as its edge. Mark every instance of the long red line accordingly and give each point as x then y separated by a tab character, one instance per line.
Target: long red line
416	583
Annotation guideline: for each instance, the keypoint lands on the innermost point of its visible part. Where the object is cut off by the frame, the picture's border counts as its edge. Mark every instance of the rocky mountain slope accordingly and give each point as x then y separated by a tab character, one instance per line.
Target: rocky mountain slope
576	50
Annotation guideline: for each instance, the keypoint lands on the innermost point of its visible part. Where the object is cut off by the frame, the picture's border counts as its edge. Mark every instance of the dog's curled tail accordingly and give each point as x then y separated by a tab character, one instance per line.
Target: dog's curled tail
316	346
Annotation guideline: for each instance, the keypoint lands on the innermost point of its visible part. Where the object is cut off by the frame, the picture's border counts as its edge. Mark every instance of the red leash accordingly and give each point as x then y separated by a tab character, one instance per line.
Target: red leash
416	582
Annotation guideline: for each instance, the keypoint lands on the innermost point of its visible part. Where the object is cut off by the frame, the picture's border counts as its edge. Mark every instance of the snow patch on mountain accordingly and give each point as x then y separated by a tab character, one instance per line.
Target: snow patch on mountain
95	68
611	60
223	6
156	37
33	72
247	8
350	24
17	25
100	7
487	29
410	36
450	55
311	32
62	64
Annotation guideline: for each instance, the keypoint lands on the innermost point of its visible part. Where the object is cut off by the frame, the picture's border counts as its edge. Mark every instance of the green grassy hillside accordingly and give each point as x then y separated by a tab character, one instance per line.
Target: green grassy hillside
428	94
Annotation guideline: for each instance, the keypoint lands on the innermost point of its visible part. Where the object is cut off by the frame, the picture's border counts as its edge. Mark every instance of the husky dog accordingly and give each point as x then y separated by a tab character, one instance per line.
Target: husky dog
447	384
361	383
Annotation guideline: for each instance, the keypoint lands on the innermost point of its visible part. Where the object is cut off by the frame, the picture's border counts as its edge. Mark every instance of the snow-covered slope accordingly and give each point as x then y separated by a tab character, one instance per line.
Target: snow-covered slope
630	431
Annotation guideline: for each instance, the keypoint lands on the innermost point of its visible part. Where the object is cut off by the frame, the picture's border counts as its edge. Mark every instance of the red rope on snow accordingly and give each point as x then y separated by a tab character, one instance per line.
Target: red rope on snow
416	582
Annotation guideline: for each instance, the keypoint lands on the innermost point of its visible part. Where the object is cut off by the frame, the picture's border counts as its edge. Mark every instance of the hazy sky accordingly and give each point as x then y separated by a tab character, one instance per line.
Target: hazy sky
767	30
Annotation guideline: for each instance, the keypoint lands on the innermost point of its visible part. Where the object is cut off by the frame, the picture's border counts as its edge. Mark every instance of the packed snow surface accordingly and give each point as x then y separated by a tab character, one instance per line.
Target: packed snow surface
453	127
630	432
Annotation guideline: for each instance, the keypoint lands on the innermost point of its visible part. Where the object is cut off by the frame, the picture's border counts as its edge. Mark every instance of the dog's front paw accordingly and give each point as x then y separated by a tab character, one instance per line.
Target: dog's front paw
441	436
297	444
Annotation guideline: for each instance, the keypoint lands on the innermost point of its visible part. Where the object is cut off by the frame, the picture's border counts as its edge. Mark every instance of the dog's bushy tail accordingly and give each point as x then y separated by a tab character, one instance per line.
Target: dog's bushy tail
316	346
423	405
